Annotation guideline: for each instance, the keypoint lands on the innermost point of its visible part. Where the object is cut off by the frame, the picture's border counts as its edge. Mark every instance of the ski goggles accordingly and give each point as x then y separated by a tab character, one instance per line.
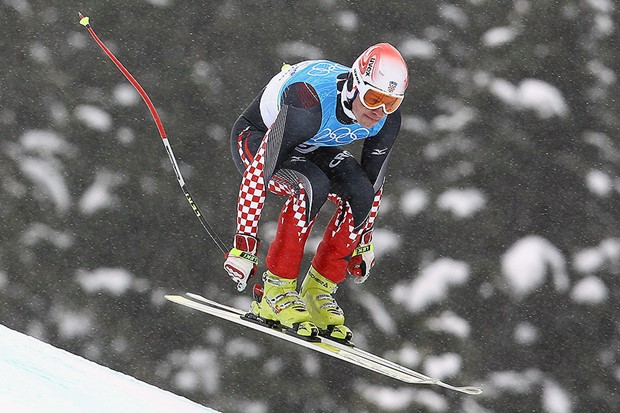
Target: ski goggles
373	99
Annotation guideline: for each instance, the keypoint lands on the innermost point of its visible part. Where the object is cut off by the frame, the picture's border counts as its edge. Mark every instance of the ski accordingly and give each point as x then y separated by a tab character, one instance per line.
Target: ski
344	352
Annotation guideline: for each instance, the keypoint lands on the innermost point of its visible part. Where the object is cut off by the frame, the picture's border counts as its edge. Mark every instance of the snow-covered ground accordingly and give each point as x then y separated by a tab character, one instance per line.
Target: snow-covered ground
36	377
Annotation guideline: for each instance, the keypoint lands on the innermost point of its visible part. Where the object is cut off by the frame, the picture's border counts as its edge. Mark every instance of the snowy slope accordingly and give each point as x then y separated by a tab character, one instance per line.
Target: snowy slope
38	378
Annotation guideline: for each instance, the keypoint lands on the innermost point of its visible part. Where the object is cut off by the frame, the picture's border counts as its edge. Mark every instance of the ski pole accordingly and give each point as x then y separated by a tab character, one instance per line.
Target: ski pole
85	21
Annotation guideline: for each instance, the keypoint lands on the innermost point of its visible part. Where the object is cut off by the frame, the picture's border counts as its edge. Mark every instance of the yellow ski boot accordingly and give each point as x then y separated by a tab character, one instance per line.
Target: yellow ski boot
316	293
280	304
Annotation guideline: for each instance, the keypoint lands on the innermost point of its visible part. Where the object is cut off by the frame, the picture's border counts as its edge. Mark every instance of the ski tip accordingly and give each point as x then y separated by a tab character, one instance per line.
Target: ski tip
470	390
84	20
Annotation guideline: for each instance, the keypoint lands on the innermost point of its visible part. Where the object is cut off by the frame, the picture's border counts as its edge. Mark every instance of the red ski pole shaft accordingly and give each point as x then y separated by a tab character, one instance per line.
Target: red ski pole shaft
85	21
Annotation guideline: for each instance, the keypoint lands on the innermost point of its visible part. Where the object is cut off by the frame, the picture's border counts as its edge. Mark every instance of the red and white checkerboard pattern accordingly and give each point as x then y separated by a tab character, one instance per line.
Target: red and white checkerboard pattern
296	201
374	210
252	194
343	219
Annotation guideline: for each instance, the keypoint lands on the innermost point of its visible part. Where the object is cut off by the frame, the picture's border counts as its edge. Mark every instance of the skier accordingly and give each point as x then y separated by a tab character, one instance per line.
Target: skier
289	141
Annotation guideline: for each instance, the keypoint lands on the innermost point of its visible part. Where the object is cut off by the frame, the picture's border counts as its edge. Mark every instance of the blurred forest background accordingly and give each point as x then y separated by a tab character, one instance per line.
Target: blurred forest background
498	242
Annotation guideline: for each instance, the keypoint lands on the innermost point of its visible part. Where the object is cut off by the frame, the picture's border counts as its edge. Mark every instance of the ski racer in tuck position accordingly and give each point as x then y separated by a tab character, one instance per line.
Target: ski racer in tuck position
290	141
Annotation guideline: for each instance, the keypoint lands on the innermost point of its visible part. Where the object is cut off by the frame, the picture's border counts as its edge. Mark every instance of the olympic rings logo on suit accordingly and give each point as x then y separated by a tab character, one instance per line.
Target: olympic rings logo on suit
325	68
340	136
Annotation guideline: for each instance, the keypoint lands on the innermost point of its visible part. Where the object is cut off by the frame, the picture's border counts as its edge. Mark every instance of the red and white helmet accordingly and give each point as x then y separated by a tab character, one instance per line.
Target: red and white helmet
380	77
